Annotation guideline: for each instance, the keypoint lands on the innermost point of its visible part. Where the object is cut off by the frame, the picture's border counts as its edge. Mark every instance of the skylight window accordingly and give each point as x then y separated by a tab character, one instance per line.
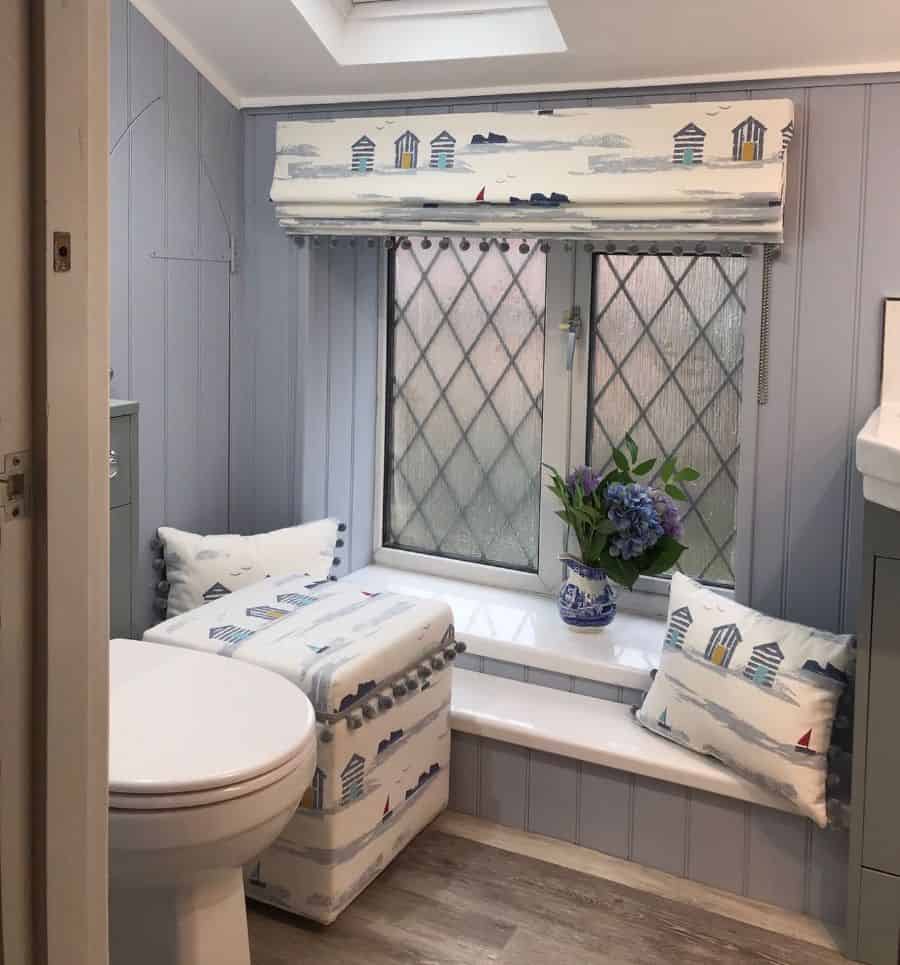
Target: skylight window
406	31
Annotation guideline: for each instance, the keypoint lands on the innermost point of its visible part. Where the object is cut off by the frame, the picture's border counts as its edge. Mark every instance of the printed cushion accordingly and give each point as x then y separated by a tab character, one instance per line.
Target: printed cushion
200	569
758	694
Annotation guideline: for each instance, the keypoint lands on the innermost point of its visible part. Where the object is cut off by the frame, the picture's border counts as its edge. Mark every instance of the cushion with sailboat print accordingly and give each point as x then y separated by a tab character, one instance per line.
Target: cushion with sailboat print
756	693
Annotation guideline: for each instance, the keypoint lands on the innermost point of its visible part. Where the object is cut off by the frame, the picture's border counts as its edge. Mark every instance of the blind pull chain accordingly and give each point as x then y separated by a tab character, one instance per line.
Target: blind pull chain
762	392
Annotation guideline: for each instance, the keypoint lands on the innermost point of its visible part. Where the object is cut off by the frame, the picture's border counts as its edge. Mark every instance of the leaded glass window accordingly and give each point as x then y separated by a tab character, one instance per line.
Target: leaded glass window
666	357
464	402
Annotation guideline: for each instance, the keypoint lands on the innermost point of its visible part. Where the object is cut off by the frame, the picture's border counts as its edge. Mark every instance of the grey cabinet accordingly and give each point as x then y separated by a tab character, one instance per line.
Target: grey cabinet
123	515
874	893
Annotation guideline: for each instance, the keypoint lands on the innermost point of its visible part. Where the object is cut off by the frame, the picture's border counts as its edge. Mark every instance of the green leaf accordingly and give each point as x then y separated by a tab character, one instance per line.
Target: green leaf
688	474
665	554
632	448
676	492
643	468
620	460
668	467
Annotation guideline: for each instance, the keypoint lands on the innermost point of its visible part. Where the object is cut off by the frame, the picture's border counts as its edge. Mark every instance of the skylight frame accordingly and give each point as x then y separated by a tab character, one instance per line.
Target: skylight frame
410	31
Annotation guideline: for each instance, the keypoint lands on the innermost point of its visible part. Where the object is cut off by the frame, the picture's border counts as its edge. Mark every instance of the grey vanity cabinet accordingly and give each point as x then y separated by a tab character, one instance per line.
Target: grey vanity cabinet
123	515
874	894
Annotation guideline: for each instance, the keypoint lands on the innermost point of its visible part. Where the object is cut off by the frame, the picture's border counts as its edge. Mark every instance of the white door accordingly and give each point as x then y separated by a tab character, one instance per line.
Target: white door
15	531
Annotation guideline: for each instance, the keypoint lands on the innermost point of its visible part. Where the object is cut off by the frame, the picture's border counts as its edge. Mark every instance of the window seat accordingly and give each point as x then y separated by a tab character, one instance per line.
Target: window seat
588	729
525	629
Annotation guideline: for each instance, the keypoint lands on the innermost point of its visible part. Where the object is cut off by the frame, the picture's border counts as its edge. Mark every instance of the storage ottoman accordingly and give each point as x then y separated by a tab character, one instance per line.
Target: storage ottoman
377	668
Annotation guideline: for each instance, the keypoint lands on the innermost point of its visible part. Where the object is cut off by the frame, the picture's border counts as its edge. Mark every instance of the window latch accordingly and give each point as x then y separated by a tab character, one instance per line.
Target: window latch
572	327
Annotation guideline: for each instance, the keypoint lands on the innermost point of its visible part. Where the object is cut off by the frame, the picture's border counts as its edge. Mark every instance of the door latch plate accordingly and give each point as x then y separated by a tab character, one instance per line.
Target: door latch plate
15	485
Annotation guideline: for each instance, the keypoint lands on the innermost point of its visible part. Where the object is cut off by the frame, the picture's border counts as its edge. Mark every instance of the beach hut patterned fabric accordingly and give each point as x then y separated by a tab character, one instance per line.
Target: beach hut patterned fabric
377	670
362	156
656	171
689	145
443	150
758	694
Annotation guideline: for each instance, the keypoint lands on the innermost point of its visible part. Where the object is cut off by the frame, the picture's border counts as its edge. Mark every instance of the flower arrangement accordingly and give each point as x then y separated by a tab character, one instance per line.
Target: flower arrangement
624	526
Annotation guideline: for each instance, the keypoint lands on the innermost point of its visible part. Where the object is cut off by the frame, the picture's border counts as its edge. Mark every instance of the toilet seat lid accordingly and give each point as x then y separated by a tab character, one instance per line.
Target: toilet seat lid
183	721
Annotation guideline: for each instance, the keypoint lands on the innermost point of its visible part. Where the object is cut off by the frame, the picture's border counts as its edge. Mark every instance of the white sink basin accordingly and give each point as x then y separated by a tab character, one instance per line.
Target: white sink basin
878	445
878	456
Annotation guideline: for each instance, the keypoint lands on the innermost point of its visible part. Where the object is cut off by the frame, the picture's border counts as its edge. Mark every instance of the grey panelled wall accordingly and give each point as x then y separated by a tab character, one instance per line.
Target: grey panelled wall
303	373
839	260
750	850
175	180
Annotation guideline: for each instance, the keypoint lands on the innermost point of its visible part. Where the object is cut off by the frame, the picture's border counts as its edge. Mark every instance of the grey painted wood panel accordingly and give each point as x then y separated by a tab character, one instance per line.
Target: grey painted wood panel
548	678
553	796
604	810
118	72
659	825
768	589
717	841
365	408
743	848
776	870
503	668
594	688
170	317
503	783
146	51
341	360
827	885
464	752
828	324
470	661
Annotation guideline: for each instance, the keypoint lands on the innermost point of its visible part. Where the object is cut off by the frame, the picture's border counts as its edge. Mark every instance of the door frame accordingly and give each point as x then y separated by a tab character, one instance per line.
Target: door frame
16	827
70	326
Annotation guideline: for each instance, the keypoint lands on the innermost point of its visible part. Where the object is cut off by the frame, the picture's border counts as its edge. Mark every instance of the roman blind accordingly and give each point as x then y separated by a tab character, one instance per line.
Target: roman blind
656	171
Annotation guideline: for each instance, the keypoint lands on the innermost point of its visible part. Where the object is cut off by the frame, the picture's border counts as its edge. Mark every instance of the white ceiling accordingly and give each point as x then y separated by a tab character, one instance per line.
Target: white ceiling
262	52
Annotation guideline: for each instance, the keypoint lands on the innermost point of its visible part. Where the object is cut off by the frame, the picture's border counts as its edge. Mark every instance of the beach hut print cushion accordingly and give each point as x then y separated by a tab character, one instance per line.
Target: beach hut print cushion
201	569
756	693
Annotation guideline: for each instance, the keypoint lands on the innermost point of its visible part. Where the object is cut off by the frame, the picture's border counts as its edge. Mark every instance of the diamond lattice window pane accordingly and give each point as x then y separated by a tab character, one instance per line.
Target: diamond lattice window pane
465	403
666	353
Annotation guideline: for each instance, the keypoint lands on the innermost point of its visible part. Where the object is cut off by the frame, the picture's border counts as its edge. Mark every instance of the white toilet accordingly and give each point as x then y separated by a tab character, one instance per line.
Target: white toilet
209	759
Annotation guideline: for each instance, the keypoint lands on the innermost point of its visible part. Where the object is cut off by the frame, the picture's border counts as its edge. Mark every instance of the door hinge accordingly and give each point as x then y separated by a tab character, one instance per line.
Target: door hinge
15	485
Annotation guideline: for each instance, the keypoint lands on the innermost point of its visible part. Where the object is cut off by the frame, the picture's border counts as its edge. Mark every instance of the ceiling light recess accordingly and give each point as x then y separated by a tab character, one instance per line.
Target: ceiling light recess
408	31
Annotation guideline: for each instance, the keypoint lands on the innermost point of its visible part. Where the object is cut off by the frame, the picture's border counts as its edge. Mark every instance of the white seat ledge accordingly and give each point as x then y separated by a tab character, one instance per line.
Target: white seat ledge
525	628
588	729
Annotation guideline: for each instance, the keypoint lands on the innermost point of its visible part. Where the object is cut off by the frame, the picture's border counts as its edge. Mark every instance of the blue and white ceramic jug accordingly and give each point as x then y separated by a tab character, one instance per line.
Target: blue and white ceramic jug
587	600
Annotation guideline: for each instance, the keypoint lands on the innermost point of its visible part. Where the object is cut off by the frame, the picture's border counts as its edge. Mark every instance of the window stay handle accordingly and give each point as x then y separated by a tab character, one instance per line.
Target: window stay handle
572	327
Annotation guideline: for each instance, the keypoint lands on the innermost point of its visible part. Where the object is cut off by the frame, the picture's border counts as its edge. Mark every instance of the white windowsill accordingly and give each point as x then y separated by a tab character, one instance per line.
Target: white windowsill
525	628
552	721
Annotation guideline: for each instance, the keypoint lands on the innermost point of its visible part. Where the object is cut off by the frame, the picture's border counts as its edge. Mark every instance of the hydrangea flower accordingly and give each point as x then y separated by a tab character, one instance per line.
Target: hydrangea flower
668	514
632	510
588	478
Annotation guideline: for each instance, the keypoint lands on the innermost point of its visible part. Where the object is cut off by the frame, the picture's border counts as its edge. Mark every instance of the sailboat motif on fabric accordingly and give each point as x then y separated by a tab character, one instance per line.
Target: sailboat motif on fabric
663	719
803	744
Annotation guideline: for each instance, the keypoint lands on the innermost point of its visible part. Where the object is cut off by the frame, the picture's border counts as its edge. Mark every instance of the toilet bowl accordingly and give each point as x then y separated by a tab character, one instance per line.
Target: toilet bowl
208	761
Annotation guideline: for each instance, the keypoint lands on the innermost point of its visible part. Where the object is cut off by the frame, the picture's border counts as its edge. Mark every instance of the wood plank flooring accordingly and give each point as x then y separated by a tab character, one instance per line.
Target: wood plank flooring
448	900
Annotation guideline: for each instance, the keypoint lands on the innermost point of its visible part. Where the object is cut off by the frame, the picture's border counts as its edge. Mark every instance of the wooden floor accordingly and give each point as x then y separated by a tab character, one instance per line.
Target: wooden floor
448	900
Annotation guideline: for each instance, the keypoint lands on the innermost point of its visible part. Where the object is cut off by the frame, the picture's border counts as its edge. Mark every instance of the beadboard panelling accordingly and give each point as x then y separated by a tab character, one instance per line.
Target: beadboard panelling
303	373
837	263
175	203
743	848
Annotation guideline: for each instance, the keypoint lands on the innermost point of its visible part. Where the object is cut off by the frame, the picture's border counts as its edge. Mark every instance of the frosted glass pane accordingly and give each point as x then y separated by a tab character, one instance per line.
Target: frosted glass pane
666	354
465	409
